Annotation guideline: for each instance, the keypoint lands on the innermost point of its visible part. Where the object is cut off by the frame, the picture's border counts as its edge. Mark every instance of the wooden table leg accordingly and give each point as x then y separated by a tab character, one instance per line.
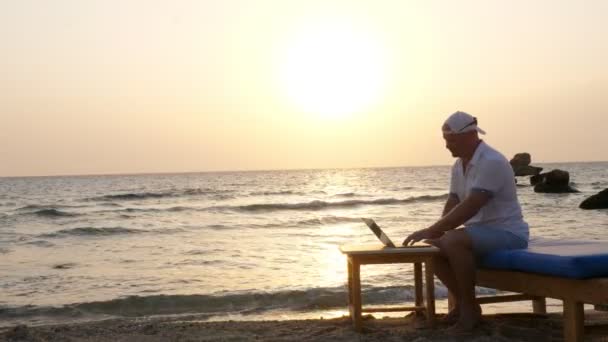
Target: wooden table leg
451	301
356	298
418	283
349	267
574	317
539	305
430	291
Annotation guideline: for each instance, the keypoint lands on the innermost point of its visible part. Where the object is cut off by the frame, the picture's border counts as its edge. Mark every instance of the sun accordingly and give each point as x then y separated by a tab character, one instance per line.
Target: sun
332	70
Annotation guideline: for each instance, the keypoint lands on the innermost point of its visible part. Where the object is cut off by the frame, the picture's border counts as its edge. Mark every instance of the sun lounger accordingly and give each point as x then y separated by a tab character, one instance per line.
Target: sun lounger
575	272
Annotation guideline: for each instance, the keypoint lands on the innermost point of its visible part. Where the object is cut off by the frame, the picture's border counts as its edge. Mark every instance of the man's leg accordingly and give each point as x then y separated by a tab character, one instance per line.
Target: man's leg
456	245
444	272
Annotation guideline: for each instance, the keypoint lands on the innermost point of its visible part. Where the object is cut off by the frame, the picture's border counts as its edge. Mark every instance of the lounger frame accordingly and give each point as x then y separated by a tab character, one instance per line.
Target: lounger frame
573	292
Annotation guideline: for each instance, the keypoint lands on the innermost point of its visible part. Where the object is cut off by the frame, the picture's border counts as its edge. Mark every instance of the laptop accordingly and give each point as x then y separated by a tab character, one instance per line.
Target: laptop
386	241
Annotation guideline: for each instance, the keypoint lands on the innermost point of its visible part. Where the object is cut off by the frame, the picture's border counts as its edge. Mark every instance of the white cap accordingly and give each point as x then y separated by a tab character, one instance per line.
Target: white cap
461	122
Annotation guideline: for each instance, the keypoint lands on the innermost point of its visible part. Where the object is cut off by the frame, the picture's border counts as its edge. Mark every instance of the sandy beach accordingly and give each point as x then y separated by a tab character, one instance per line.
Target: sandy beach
495	327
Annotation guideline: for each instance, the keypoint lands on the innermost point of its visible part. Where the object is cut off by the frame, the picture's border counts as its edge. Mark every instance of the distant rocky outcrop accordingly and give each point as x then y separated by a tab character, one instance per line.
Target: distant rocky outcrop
537	179
521	165
597	201
554	181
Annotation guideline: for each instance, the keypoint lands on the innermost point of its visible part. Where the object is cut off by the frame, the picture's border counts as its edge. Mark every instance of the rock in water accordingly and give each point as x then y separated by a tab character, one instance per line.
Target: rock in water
523	159
537	179
597	201
527	170
521	165
554	181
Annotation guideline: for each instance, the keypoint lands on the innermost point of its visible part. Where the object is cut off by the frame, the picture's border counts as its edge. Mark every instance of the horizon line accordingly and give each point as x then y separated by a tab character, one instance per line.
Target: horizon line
265	170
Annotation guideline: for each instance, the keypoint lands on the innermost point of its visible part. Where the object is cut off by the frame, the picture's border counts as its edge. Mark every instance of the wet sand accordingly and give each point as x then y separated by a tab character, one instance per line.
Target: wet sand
496	327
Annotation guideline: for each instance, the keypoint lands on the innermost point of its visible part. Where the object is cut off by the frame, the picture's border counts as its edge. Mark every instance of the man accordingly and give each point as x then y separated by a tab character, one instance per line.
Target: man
483	198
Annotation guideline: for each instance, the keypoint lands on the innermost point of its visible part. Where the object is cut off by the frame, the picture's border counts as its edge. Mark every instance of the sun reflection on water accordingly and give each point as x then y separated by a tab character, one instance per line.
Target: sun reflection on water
332	264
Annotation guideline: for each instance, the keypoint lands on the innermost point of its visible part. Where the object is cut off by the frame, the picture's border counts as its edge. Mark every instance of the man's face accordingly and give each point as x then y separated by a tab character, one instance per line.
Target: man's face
454	143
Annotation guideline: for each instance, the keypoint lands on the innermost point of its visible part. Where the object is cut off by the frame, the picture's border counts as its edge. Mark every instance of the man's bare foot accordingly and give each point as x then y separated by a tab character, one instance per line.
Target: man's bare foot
452	316
468	320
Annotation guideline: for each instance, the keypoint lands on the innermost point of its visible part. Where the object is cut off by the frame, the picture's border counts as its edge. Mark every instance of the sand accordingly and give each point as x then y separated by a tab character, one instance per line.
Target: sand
497	327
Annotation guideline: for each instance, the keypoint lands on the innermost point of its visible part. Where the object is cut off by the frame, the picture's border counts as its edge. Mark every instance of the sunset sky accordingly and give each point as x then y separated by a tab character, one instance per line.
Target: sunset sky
97	87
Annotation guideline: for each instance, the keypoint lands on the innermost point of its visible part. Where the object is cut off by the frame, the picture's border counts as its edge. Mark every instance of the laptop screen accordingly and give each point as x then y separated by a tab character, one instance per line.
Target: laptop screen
378	232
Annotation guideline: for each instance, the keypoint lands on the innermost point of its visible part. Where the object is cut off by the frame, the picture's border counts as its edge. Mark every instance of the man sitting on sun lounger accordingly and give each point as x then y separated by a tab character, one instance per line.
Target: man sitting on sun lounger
483	198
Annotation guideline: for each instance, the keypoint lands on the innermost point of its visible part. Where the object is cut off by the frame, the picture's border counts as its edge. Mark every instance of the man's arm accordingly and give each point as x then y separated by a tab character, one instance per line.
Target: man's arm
450	204
457	214
461	211
495	174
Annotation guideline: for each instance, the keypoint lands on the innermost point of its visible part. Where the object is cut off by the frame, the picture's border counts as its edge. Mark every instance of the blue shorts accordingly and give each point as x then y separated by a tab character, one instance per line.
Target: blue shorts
488	239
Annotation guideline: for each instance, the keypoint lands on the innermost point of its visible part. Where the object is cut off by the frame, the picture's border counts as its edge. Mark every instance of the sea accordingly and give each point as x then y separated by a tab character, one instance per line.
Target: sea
234	245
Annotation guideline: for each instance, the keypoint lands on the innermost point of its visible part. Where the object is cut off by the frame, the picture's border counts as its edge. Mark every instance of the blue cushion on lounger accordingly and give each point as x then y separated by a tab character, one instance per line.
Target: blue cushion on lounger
569	259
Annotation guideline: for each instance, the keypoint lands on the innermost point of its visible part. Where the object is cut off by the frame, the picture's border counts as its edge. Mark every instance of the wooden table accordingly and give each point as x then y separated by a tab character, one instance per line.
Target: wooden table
358	255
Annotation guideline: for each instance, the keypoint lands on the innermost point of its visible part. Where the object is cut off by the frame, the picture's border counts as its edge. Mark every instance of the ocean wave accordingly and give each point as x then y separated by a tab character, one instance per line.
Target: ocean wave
319	205
138	210
49	206
49	211
155	210
92	231
131	212
65	266
218	226
52	213
339	219
347	194
235	303
204	251
109	204
317	221
326	220
132	196
274	193
312	205
243	303
41	243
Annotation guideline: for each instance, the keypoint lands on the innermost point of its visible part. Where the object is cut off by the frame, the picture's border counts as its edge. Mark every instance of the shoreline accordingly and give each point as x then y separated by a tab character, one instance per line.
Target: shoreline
501	327
46	317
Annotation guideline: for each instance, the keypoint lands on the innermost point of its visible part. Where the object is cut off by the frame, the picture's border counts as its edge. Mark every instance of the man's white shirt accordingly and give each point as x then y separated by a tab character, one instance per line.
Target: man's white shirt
490	172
